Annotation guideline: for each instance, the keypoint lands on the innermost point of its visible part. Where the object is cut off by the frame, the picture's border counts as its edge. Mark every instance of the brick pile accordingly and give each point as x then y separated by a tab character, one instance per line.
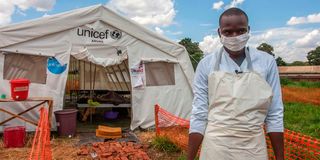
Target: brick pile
112	150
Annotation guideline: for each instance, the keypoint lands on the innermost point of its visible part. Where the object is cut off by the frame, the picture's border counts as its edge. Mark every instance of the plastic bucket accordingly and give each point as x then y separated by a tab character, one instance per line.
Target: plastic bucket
14	136
111	115
19	89
66	122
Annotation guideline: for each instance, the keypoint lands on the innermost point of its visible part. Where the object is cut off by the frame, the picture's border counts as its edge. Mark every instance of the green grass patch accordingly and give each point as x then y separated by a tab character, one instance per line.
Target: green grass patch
304	118
164	144
304	84
184	157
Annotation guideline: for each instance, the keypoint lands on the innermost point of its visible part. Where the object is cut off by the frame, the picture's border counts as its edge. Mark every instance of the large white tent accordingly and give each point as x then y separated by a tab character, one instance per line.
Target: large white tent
41	49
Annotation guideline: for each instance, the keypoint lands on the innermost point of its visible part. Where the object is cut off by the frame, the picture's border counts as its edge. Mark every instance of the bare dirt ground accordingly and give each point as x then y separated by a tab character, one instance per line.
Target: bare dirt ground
68	149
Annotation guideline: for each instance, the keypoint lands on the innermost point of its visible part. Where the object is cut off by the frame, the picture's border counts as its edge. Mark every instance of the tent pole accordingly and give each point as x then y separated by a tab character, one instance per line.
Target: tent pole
84	75
126	66
116	77
90	81
73	78
70	75
114	80
114	83
94	76
124	80
78	78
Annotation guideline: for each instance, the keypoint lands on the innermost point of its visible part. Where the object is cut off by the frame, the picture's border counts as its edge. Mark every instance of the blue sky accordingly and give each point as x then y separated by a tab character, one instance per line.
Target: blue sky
271	21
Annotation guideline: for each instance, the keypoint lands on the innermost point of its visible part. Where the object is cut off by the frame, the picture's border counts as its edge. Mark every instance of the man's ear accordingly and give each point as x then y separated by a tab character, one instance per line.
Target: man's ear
218	30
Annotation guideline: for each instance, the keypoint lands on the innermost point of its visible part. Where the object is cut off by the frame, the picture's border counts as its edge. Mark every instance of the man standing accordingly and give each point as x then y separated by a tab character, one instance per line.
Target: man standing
236	92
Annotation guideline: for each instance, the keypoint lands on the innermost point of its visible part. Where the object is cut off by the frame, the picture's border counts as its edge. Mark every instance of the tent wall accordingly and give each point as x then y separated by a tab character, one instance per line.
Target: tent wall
54	87
176	98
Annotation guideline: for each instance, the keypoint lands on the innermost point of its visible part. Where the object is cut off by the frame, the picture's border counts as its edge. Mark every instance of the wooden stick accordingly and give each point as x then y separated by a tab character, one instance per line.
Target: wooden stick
116	77
9	119
84	75
18	116
94	76
50	110
107	69
124	80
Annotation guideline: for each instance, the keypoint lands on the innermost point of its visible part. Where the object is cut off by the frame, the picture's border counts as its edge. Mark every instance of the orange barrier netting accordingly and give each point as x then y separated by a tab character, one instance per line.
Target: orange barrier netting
41	148
297	145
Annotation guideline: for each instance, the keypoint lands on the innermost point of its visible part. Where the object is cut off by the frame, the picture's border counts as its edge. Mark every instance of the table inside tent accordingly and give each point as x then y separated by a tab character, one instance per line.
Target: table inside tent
105	98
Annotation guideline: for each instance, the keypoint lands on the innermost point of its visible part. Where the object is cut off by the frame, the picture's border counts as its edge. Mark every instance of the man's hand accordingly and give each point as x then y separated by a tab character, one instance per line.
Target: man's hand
195	140
277	144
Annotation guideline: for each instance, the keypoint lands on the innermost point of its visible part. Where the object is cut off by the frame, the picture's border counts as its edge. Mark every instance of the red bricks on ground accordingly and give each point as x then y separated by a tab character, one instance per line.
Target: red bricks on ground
116	151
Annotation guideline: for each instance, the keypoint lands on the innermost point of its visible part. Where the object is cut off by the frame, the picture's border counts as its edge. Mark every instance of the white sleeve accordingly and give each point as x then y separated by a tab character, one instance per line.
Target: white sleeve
199	114
274	119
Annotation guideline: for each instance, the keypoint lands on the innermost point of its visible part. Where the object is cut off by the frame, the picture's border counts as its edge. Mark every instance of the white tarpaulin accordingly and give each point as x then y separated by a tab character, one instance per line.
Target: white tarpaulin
98	35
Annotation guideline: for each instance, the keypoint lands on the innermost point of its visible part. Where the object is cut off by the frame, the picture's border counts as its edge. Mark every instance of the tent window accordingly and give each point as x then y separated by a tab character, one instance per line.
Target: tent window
159	73
31	67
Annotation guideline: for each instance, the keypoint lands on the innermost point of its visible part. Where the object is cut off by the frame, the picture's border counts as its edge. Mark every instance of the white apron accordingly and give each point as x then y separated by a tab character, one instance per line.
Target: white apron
238	105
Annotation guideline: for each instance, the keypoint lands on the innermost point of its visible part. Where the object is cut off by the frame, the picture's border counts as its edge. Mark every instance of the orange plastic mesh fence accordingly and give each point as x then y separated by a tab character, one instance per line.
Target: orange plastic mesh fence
41	148
297	145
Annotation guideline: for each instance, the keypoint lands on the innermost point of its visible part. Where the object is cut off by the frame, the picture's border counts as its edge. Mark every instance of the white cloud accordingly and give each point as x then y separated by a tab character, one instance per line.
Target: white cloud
18	11
209	44
45	15
158	30
217	5
234	3
312	18
146	12
7	8
39	5
309	40
292	44
175	33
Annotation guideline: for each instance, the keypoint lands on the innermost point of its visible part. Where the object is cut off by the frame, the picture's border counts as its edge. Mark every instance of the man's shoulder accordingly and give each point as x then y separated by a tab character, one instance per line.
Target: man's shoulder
209	58
207	62
258	55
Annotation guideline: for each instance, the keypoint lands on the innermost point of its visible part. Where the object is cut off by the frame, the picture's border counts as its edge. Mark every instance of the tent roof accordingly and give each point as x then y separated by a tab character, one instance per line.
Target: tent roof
29	30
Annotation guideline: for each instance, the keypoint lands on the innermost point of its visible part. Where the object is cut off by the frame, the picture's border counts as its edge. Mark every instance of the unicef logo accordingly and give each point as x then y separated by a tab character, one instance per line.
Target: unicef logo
116	34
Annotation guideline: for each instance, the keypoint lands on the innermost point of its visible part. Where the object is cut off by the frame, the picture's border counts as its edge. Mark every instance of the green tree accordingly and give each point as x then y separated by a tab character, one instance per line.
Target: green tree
194	51
314	56
280	62
266	47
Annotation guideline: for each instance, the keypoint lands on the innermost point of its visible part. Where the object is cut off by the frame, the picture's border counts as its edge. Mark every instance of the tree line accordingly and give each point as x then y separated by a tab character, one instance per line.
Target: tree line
196	54
313	56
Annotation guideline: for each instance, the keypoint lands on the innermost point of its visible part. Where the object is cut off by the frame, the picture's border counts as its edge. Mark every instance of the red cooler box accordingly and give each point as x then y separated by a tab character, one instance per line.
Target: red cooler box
19	89
14	136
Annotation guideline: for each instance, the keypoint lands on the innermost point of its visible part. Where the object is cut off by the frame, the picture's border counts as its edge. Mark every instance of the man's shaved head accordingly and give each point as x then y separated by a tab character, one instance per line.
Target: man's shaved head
232	12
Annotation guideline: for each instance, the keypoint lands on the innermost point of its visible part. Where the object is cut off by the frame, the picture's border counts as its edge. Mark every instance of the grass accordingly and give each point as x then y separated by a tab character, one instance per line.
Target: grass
304	118
164	144
304	84
184	157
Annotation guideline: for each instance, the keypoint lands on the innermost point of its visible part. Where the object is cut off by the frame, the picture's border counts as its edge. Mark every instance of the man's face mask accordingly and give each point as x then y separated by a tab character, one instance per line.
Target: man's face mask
235	43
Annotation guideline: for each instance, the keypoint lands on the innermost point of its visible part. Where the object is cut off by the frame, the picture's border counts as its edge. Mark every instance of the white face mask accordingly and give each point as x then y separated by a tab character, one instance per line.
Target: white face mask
235	43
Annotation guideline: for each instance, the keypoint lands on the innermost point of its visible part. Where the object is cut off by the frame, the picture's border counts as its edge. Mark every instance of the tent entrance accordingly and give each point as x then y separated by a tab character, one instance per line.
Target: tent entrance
99	92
